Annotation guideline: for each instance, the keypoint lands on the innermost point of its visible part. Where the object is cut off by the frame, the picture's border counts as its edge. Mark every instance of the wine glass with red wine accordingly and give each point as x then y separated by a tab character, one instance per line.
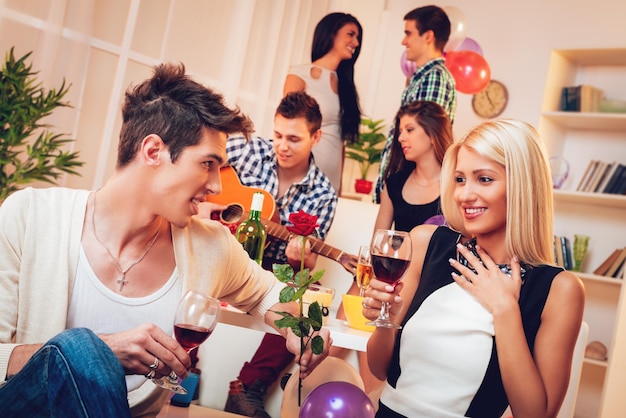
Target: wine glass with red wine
391	253
196	317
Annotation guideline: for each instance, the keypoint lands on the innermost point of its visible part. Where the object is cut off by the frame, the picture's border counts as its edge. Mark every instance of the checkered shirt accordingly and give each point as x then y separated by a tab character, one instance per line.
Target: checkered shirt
255	164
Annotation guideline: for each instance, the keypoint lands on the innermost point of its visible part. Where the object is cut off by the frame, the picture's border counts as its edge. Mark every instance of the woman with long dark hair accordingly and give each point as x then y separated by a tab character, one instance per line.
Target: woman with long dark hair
422	134
329	79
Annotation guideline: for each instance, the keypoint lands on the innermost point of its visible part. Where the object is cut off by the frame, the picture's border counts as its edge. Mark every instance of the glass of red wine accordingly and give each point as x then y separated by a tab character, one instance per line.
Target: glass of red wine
391	253
196	317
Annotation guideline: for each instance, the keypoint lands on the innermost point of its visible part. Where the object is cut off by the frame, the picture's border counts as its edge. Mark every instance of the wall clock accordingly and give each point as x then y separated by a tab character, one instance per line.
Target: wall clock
491	101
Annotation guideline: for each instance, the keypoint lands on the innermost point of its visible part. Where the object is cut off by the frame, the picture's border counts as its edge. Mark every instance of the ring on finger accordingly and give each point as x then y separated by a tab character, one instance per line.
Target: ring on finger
154	365
365	304
151	374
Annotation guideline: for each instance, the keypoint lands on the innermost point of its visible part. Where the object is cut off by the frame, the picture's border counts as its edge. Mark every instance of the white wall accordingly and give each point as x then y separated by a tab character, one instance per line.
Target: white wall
131	35
516	38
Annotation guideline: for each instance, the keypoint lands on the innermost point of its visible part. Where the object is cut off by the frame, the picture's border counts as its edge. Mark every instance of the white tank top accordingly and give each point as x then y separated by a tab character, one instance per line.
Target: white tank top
98	308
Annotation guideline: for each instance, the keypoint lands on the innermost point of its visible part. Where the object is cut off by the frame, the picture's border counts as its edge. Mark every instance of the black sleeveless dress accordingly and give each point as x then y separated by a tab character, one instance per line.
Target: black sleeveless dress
405	215
445	362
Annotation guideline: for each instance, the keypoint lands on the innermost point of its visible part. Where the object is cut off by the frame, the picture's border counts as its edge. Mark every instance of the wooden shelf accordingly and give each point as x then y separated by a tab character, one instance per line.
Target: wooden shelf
599	363
602	199
589	120
591	57
614	281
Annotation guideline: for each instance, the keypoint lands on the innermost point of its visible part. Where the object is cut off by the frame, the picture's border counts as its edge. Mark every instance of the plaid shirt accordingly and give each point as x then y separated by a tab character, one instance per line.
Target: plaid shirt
430	82
255	164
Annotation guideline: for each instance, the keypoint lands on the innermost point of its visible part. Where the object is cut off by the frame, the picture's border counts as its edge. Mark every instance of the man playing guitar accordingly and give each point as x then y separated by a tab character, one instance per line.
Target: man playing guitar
285	168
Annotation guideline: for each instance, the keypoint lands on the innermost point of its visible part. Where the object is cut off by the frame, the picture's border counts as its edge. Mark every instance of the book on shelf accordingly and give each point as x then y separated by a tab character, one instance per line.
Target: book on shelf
608	174
566	249
590	98
589	173
604	267
604	177
614	179
613	269
620	184
558	252
620	272
597	175
583	98
570	99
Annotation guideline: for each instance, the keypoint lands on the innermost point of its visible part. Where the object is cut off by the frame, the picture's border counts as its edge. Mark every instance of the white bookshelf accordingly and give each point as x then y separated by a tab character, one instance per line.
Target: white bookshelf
579	138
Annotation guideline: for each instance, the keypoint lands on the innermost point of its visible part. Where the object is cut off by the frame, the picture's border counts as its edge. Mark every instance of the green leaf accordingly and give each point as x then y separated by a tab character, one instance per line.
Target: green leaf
317	345
303	326
297	295
287	294
315	313
283	272
29	151
301	277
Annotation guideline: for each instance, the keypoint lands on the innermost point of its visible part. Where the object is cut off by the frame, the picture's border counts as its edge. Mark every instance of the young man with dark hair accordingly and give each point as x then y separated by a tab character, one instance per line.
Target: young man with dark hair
285	168
90	280
426	31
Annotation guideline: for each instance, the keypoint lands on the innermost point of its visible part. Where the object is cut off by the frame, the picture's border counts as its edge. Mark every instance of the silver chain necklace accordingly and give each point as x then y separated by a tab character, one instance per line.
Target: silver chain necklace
122	280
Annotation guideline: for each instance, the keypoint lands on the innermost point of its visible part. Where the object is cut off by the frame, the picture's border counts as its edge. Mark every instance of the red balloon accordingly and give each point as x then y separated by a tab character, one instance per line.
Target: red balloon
469	69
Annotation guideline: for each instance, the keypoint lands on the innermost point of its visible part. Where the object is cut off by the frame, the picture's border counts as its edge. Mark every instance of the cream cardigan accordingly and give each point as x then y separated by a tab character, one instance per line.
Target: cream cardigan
40	233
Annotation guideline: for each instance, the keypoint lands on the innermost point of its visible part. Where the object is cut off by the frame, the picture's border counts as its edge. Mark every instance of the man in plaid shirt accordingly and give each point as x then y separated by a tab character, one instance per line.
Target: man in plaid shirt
285	168
426	31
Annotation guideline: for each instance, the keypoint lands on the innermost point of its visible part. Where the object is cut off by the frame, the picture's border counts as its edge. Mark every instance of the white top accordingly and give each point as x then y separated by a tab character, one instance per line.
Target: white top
328	152
98	308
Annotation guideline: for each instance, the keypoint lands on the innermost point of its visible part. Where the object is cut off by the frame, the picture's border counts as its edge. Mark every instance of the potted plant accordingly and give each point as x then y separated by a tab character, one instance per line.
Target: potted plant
367	150
25	158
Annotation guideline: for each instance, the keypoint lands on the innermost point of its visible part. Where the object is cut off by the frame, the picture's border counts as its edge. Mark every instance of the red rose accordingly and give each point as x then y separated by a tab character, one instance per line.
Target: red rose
303	223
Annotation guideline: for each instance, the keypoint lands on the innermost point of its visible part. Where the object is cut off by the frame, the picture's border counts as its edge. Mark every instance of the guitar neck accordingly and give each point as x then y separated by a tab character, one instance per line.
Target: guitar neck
317	245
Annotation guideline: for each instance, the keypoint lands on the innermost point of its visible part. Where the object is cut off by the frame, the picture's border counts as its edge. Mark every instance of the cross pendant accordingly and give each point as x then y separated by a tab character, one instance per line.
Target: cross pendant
122	281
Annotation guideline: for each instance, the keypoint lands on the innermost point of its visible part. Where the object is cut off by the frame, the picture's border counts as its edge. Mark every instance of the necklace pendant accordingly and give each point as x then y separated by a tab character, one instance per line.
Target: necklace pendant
122	281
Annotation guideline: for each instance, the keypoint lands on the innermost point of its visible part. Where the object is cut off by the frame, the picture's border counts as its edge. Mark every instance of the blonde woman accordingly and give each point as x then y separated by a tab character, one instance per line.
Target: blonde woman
480	335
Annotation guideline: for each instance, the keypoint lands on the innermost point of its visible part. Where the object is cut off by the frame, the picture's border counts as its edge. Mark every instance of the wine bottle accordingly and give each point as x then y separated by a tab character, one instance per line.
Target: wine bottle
251	232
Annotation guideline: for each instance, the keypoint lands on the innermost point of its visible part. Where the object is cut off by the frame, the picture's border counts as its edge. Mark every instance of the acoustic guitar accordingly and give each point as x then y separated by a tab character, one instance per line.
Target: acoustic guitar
237	196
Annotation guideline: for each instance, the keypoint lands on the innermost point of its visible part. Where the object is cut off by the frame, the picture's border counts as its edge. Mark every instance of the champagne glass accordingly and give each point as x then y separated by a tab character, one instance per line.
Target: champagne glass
196	317
391	254
363	269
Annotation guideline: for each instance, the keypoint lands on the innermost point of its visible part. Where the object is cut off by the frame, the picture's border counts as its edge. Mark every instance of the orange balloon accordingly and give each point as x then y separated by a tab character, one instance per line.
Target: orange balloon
469	69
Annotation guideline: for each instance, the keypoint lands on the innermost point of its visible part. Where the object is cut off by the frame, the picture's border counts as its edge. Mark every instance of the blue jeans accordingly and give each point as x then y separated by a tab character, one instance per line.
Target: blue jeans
75	374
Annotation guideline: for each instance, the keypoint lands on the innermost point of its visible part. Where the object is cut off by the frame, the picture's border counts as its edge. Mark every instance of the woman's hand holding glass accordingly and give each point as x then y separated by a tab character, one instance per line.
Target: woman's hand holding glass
380	292
391	254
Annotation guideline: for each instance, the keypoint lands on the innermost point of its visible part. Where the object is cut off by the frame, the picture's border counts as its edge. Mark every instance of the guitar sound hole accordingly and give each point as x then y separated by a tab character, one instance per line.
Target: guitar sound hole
232	213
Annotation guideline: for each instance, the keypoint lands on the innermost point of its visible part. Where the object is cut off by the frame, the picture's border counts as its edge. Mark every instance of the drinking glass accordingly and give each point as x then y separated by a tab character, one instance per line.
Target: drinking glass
559	169
391	254
320	294
196	317
363	269
580	250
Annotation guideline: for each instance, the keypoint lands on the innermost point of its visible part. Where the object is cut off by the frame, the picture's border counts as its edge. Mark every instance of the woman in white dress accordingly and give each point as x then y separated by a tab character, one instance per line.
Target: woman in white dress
329	79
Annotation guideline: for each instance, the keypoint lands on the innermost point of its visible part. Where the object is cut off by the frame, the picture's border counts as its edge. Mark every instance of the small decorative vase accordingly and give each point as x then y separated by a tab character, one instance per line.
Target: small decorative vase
580	250
363	186
559	168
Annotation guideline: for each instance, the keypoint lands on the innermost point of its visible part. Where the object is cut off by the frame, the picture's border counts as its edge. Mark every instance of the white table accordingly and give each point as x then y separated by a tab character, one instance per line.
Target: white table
343	335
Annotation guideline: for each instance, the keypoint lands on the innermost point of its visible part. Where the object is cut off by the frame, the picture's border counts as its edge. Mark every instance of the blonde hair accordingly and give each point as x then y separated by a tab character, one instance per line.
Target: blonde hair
517	147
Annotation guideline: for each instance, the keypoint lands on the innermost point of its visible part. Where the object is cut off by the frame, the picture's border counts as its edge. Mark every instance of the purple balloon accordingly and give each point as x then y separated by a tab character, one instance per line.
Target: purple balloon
438	220
469	44
339	400
408	67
